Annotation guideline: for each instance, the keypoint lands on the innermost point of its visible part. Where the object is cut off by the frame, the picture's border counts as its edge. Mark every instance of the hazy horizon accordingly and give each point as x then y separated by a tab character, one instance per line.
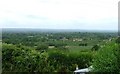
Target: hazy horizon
53	30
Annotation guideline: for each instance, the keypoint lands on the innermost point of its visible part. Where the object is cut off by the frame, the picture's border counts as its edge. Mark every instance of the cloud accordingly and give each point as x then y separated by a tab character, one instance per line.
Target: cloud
77	14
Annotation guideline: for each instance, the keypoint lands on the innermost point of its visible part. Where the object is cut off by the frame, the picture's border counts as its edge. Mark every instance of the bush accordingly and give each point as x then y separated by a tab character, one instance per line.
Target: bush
118	40
95	47
106	59
83	44
68	61
42	47
23	59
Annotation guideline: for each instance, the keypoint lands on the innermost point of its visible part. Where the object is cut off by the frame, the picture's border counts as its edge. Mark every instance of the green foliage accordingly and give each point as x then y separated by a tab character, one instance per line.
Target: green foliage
34	38
42	47
23	59
95	47
60	59
60	44
118	40
83	44
28	60
20	51
106	59
117	53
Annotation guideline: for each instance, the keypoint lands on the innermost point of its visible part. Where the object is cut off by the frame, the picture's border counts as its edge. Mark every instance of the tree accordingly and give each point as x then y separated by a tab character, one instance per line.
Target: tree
118	40
95	47
106	59
42	47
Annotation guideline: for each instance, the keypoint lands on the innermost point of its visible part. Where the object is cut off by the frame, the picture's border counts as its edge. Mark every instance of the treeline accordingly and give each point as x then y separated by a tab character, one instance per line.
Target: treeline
33	39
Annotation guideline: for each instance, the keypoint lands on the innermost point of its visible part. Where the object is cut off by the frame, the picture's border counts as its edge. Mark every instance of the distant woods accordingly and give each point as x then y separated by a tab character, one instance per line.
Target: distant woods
83	44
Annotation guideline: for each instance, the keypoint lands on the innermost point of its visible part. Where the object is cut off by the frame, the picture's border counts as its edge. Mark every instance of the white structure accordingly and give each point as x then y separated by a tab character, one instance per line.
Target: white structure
83	71
51	47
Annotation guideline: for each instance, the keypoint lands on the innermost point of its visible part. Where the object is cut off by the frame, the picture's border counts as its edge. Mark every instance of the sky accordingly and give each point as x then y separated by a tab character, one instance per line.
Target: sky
59	14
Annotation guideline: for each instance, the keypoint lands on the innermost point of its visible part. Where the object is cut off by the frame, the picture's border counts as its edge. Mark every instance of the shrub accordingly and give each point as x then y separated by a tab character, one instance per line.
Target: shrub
68	60
95	47
23	59
106	59
42	47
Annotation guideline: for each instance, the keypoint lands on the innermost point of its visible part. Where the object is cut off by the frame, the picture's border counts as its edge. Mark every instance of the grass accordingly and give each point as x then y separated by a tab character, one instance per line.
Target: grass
76	49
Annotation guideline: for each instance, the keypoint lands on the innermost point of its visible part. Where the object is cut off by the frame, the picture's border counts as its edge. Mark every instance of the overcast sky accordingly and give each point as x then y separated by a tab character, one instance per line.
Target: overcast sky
59	14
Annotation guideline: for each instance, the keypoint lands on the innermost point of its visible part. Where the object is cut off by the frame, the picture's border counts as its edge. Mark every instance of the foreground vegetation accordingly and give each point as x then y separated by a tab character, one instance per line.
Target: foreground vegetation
107	59
26	59
60	52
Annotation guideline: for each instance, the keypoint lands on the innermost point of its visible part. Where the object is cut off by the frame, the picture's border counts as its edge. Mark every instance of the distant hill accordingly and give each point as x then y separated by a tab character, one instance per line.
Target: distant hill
49	30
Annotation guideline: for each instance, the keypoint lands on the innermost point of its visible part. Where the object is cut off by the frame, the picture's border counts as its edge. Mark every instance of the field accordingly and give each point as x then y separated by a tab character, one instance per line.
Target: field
55	51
